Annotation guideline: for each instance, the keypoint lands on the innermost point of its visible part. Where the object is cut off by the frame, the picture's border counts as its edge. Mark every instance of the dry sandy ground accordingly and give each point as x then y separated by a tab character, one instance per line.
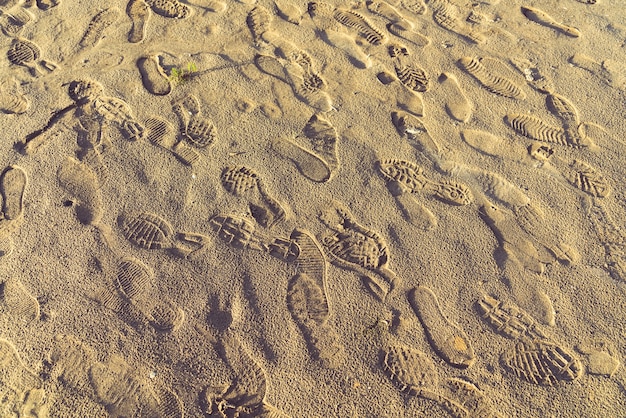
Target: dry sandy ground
352	209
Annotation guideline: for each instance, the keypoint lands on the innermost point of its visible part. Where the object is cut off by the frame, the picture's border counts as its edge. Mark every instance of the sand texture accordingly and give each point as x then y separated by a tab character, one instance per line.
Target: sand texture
280	208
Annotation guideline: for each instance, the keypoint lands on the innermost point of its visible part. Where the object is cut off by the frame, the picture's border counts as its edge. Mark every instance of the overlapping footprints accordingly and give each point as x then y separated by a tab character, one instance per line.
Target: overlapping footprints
415	374
245	395
448	340
243	181
571	133
307	300
12	101
150	231
136	299
578	173
515	235
322	161
412	179
122	389
160	132
355	247
296	70
534	356
196	129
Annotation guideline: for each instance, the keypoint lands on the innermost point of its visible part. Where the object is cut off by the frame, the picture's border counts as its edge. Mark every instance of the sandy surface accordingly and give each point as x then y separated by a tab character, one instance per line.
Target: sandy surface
316	217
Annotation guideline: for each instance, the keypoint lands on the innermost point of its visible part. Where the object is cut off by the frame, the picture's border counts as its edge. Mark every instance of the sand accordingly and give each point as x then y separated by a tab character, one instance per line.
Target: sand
273	208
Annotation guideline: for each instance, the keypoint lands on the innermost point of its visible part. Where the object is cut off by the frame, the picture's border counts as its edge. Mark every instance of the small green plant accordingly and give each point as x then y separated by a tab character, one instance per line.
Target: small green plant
182	75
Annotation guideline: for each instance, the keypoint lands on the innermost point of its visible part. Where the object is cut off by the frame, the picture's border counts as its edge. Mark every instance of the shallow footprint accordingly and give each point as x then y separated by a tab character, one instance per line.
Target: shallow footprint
21	304
448	340
81	183
310	165
457	104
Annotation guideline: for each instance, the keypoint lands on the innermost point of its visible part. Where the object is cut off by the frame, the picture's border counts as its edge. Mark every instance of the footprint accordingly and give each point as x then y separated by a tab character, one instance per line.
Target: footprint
534	128
288	11
610	236
11	100
602	356
308	306
413	211
542	362
160	132
417	7
609	71
238	232
413	129
81	183
259	22
405	30
457	104
99	23
246	393
121	390
483	70
27	54
139	13
513	239
21	387
323	137
446	15
20	303
169	8
484	142
361	25
411	178
533	357
47	4
13	182
13	22
448	340
150	231
508	319
139	301
242	181
196	129
310	165
411	370
357	248
296	76
564	109
578	173
347	44
72	361
541	17
153	76
470	401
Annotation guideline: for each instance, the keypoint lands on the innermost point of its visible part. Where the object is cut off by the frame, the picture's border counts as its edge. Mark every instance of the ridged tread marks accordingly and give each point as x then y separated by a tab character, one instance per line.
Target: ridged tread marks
410	369
147	230
587	178
413	77
97	26
490	81
23	52
534	128
542	362
358	22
